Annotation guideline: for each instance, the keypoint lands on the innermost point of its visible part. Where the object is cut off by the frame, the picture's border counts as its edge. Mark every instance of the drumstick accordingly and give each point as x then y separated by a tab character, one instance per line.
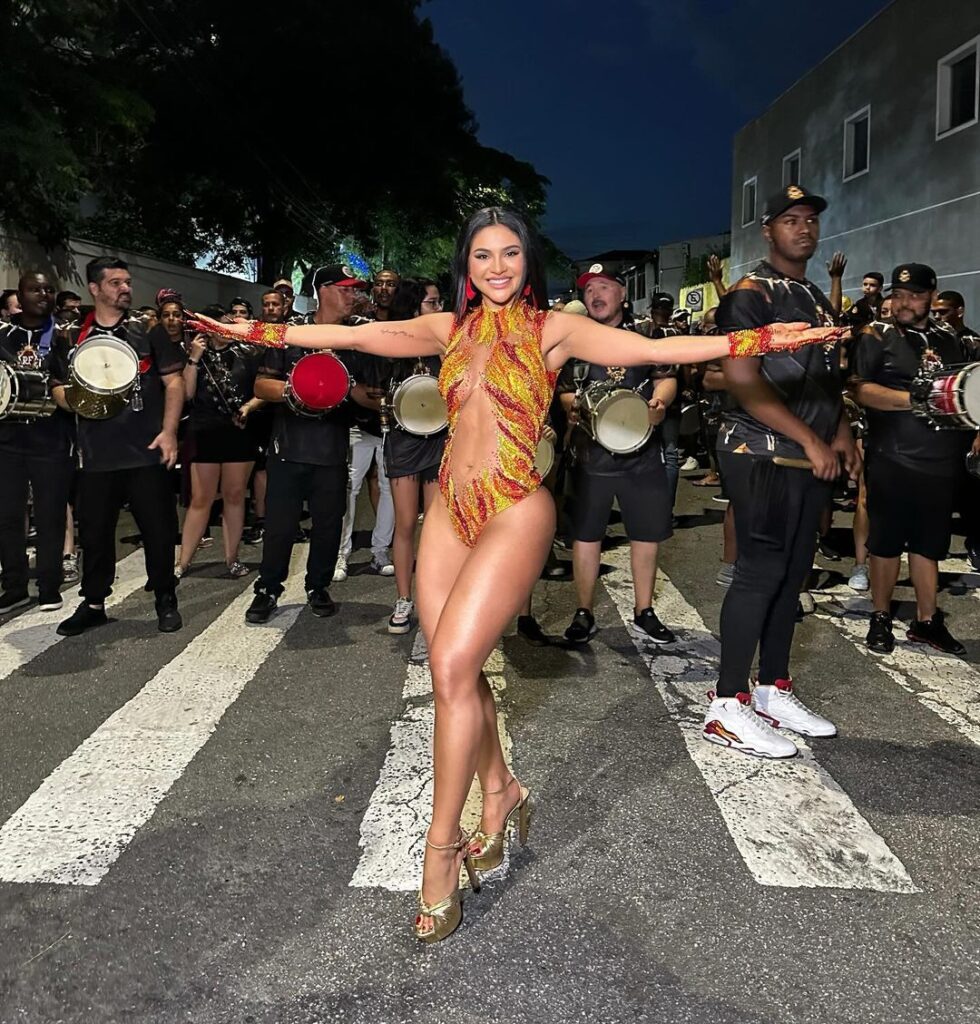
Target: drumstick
781	460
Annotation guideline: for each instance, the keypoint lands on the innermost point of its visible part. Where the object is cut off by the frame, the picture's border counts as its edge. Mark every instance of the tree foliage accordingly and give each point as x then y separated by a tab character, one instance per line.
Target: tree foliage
202	128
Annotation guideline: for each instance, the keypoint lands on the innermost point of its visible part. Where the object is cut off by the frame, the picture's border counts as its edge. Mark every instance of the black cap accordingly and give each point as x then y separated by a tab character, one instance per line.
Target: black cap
600	270
336	273
914	277
662	300
789	196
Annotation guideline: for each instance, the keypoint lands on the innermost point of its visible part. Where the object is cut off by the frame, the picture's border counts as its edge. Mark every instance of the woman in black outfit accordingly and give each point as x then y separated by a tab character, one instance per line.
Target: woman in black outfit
219	383
411	462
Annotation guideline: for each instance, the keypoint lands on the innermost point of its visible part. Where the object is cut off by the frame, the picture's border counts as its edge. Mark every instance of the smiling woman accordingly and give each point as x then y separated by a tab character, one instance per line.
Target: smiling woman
501	352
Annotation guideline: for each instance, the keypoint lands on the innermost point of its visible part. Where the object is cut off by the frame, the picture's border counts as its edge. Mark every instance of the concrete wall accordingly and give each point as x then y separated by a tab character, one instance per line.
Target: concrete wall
198	287
920	199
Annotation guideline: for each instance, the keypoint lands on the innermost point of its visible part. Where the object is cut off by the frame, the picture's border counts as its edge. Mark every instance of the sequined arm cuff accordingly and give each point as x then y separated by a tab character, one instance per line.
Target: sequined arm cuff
743	344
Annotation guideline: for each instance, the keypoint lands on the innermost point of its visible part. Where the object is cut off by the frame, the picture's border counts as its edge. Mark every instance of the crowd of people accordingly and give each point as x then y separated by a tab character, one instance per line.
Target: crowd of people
217	393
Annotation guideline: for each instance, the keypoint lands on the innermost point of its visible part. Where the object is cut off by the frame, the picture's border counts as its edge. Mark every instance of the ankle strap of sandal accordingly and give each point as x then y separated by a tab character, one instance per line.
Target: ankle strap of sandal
457	844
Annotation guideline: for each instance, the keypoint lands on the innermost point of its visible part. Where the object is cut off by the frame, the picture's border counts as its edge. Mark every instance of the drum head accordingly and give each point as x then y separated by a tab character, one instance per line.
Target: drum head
621	422
971	393
104	364
6	387
418	406
544	457
320	381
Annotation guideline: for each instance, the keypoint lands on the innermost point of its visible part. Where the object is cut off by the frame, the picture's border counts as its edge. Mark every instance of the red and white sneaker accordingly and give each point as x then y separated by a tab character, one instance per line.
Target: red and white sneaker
782	709
731	722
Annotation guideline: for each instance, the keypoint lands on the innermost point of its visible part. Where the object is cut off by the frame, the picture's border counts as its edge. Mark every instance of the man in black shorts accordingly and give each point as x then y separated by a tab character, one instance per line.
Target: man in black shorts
781	442
638	481
913	469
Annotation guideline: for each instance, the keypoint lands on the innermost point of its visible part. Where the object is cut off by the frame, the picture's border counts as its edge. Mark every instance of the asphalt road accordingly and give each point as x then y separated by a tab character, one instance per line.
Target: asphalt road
222	825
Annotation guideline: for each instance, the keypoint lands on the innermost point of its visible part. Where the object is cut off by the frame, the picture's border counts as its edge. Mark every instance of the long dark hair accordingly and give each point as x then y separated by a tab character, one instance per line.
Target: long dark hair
534	274
405	305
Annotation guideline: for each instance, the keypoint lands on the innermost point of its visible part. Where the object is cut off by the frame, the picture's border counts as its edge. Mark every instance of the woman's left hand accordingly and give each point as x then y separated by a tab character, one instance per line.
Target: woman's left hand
241	416
549	434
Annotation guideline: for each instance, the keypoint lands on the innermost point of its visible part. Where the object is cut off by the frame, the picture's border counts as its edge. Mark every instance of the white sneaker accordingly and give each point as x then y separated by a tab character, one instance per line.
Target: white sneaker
782	709
401	617
731	722
340	570
860	580
690	463
381	566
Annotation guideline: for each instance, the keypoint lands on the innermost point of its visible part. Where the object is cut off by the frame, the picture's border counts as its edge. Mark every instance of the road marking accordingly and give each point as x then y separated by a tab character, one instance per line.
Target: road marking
394	824
32	633
84	814
946	685
792	823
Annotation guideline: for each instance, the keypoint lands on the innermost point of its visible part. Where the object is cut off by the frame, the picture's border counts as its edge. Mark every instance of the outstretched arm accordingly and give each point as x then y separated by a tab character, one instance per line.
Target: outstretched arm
567	336
423	336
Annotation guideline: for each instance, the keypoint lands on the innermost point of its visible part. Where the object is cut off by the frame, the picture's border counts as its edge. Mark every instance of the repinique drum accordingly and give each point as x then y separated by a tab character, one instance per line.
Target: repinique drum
24	393
544	457
317	383
616	417
949	398
102	371
418	406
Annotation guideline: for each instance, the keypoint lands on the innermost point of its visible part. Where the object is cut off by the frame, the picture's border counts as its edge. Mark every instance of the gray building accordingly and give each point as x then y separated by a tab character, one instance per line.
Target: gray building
886	128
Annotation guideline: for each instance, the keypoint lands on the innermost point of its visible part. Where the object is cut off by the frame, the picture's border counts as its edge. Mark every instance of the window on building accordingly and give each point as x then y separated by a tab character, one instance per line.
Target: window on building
958	89
791	168
857	144
641	282
748	201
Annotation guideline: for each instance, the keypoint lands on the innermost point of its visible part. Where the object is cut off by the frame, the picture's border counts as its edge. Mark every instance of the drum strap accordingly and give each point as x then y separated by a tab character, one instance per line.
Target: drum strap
87	326
44	343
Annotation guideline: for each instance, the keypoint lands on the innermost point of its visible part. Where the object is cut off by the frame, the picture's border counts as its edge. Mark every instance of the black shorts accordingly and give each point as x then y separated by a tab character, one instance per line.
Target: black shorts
908	510
644	500
223	444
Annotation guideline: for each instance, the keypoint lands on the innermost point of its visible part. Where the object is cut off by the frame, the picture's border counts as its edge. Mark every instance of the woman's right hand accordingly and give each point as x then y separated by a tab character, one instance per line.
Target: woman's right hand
198	346
795	335
236	331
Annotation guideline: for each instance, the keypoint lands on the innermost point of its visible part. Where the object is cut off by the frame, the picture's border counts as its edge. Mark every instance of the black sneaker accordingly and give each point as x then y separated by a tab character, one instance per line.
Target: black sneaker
14	599
321	603
168	618
530	630
827	550
50	602
880	637
84	617
253	535
262	606
582	628
935	634
648	624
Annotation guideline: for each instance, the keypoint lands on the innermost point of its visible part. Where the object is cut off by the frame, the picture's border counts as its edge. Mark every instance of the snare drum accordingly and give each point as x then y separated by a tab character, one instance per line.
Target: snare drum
317	383
616	417
24	393
418	406
102	371
949	398
544	457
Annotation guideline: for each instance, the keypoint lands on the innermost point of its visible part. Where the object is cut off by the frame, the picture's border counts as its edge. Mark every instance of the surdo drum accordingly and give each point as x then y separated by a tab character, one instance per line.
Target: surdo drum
317	383
102	372
616	417
949	398
418	406
24	393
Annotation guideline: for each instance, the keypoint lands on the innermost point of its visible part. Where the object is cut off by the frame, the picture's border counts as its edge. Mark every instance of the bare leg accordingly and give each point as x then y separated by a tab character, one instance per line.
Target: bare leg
69	532
884	576
925	579
234	480
643	562
405	495
586	556
467	597
204	487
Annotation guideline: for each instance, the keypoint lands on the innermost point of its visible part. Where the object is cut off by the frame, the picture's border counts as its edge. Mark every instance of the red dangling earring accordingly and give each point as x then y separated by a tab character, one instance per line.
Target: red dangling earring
470	290
527	290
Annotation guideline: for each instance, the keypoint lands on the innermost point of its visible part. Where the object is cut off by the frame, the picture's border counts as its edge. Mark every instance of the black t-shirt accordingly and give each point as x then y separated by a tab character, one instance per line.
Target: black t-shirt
230	372
807	381
969	341
49	436
891	356
313	440
374	372
123	441
589	454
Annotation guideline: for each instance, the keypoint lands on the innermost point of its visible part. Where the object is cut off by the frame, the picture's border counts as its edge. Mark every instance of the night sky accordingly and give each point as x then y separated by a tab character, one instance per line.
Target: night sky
630	106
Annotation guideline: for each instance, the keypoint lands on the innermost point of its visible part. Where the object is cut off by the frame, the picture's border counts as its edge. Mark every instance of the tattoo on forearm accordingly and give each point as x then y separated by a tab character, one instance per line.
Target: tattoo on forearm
397	334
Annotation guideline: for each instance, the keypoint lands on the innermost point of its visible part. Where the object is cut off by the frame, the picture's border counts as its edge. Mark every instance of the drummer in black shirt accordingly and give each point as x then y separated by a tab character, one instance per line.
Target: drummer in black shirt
307	461
127	458
781	442
34	453
637	481
912	469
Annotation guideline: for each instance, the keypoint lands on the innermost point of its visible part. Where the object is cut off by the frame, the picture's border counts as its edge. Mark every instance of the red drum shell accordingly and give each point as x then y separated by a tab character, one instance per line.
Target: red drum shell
319	382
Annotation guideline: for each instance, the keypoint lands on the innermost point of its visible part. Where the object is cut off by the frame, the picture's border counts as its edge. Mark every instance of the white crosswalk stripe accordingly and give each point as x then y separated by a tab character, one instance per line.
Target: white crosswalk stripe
77	823
792	823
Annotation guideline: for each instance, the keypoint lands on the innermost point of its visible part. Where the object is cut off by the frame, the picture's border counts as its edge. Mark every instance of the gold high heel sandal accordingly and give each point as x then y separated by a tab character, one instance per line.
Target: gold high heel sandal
447	914
491	853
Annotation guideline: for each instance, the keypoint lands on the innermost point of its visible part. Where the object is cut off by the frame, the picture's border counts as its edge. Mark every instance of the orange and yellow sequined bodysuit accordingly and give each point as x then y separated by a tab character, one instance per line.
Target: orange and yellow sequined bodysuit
493	370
